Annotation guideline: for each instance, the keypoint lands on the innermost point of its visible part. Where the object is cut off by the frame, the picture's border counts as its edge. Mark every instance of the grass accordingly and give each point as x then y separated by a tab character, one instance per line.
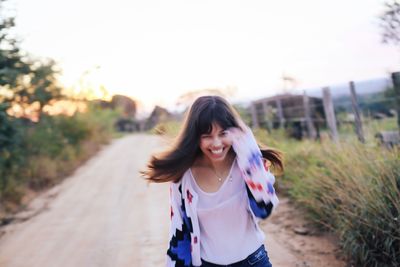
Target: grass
348	188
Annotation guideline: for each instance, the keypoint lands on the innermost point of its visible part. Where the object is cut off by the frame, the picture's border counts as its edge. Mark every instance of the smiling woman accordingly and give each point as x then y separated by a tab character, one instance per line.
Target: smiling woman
216	144
219	188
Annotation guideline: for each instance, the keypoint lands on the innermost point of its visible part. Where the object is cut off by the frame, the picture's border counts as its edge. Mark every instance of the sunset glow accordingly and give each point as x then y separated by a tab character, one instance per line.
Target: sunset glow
155	51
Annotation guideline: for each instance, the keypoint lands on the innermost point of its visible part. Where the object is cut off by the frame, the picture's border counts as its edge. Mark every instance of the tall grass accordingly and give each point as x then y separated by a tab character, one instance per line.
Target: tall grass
350	189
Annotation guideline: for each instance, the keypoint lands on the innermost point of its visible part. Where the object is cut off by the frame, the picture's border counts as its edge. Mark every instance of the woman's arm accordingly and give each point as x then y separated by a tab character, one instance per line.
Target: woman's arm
259	180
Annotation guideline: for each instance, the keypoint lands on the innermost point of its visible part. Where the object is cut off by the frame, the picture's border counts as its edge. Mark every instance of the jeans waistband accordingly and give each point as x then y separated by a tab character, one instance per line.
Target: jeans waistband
239	263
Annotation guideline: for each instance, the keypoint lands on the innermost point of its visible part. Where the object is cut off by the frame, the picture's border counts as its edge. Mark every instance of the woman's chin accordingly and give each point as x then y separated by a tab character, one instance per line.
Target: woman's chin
218	157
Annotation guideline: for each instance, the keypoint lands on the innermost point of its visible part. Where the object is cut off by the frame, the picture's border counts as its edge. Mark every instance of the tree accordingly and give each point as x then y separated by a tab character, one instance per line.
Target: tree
37	88
390	22
12	65
23	81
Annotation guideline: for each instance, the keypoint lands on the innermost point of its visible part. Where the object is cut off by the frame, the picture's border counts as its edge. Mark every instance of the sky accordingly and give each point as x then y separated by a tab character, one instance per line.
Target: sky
155	51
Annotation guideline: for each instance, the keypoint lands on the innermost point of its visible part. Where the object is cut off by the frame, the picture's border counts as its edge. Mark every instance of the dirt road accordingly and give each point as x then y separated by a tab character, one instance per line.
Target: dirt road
105	215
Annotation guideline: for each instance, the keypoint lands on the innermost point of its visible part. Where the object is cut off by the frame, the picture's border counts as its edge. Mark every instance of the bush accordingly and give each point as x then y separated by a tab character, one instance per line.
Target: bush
40	154
73	129
10	144
44	138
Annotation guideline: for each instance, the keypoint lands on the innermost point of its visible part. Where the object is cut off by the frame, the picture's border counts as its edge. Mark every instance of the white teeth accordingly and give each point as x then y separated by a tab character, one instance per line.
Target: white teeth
216	151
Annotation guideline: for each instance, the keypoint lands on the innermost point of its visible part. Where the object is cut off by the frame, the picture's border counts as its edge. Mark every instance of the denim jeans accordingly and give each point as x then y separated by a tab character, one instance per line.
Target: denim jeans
258	258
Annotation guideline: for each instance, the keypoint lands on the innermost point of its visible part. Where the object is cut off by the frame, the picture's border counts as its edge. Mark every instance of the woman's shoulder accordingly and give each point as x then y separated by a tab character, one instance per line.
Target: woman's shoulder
179	183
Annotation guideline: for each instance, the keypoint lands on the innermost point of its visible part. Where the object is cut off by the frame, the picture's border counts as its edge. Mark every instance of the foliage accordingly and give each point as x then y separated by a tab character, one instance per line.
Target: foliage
390	22
49	149
50	136
244	113
41	87
38	154
9	142
12	63
24	81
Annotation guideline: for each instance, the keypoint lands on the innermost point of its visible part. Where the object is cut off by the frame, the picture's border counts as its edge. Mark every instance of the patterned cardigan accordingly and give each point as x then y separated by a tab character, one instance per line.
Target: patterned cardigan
184	245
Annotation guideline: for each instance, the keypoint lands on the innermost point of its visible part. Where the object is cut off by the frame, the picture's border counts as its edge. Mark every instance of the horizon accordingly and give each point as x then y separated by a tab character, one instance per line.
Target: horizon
155	51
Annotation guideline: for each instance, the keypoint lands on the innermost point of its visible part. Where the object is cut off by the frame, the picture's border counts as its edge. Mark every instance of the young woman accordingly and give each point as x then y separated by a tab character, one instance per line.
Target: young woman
219	189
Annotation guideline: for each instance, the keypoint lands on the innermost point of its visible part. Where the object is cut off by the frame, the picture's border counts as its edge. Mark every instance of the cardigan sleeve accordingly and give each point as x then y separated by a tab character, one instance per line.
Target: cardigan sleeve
179	251
259	180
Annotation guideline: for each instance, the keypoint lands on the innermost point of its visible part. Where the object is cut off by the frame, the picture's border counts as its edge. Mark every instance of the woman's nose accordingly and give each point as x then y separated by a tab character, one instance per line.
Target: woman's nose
216	142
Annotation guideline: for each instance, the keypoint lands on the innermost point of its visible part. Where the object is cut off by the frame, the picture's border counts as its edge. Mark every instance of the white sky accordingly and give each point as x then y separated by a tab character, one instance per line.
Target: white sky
156	50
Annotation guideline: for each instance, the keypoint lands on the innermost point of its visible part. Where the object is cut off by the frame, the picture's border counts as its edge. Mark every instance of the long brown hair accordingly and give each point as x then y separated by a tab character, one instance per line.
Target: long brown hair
171	164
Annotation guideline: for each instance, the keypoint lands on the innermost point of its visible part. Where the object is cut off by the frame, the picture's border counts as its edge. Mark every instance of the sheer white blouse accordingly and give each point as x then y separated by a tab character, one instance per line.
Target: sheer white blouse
228	233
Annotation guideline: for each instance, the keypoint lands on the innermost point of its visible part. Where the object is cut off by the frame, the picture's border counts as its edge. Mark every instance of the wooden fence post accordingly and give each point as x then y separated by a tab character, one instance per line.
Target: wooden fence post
330	113
396	87
307	114
267	115
254	116
356	112
280	114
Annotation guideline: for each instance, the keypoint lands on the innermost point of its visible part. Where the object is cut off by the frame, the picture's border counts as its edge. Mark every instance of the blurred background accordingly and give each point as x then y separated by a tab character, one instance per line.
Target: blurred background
318	80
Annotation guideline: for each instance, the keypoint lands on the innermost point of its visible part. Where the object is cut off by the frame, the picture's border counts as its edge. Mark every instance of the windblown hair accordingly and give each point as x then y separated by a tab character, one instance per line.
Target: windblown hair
171	164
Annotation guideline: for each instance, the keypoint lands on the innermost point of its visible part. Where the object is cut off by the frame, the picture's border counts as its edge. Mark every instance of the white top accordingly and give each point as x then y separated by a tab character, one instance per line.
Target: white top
228	233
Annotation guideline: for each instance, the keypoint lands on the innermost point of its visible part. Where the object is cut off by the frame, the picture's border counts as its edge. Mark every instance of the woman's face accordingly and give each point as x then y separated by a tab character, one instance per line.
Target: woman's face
215	145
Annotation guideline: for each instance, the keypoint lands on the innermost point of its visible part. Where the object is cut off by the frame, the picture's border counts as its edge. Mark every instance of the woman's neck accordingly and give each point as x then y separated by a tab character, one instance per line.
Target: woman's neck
218	166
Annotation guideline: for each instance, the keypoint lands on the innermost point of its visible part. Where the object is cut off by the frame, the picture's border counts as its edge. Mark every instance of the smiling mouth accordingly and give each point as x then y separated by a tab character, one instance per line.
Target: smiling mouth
217	151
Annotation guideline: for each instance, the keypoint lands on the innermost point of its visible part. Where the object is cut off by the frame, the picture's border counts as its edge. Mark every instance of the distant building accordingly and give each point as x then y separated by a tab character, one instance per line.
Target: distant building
289	111
126	122
157	116
124	103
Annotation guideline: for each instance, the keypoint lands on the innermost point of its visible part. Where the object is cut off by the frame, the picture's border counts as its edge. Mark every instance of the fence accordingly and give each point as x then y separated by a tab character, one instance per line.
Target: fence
301	113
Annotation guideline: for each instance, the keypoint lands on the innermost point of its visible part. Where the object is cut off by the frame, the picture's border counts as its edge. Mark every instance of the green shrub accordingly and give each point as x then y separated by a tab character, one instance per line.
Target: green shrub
100	122
73	129
44	138
40	154
11	143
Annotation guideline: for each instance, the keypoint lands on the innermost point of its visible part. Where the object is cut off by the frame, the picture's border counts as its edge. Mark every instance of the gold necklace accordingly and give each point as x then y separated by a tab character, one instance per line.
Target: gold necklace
219	177
230	172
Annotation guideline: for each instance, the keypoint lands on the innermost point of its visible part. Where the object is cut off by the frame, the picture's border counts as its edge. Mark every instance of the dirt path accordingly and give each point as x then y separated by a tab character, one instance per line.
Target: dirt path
105	215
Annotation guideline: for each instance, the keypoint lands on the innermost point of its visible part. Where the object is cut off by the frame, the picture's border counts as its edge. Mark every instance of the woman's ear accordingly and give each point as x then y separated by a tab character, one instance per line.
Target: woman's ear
267	164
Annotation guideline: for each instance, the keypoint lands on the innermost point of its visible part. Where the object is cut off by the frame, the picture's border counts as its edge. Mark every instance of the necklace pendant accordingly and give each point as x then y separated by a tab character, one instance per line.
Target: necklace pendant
219	179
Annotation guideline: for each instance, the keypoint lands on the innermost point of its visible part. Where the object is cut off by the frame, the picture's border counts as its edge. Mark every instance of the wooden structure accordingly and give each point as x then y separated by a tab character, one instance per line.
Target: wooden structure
388	138
357	113
158	115
301	115
330	114
396	87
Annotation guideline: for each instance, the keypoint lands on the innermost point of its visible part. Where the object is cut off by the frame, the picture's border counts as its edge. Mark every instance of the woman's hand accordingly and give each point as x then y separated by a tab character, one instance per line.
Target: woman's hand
237	132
